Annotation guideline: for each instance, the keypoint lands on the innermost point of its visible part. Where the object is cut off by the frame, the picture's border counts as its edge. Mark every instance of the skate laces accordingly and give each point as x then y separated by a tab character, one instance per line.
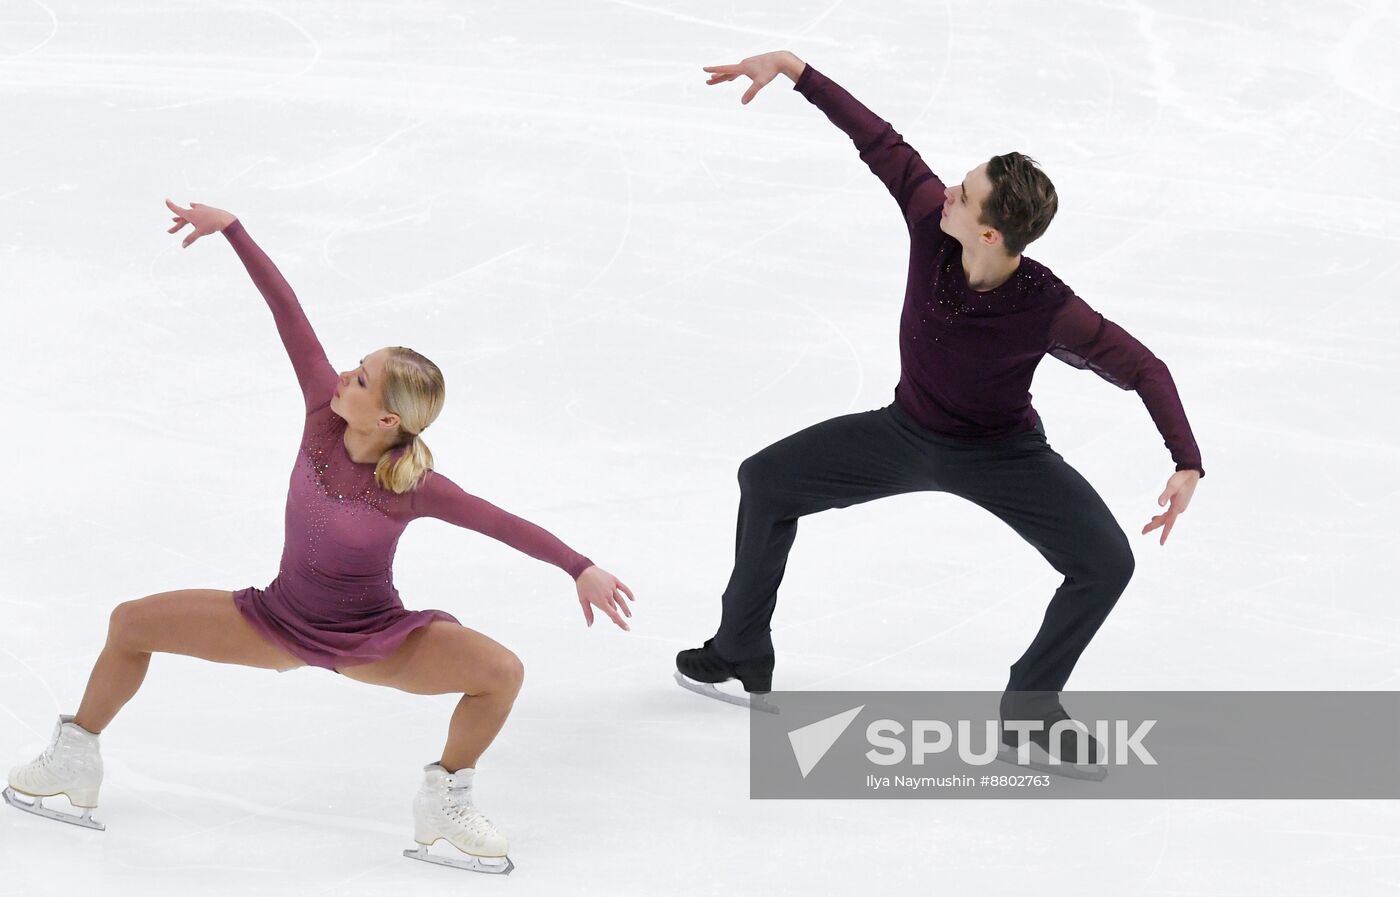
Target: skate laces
49	757
46	757
459	808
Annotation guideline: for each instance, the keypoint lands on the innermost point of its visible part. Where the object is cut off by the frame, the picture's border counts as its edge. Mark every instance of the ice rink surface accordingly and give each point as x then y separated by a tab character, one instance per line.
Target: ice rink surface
632	282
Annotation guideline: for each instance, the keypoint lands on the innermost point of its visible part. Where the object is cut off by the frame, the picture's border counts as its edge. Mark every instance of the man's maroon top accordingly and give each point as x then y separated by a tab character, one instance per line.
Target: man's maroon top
967	357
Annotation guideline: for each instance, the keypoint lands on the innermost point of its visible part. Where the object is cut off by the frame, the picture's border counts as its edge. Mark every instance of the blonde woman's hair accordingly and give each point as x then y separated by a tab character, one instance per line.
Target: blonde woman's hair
414	390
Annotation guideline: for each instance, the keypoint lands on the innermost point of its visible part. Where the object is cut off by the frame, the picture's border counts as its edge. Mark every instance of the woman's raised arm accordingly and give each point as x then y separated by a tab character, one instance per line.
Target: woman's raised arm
314	372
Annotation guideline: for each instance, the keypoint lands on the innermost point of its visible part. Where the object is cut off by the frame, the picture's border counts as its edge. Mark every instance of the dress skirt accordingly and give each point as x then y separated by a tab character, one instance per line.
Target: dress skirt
358	633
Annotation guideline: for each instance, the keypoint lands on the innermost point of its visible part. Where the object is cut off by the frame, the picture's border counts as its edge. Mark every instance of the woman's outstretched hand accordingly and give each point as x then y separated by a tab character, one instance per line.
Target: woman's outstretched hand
206	220
759	69
1179	490
599	588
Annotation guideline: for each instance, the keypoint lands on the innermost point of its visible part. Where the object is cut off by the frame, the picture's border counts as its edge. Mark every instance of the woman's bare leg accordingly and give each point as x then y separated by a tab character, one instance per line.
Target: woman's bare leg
201	623
442	658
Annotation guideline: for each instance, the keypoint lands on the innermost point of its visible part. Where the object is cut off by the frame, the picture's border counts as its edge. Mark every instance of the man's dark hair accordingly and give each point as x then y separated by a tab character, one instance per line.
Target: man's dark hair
1022	200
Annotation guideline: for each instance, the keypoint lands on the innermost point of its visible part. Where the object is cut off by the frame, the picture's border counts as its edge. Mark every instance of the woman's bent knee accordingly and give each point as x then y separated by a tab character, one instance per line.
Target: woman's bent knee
507	672
501	673
203	623
125	627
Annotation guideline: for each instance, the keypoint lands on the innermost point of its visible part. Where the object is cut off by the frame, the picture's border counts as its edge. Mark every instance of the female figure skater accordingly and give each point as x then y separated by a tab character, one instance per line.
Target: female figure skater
362	473
978	318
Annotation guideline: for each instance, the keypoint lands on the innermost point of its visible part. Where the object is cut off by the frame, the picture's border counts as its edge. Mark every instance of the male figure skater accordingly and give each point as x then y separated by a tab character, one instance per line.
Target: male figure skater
978	317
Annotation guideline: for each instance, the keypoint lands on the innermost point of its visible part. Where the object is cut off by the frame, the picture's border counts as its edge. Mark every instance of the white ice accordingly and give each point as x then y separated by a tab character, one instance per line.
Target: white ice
633	282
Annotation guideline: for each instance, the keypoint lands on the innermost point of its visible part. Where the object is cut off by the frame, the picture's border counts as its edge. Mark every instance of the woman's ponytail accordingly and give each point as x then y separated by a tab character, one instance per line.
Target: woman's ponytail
415	391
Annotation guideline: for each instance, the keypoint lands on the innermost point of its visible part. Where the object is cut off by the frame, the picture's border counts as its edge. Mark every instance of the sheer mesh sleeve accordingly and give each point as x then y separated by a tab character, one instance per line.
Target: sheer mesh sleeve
1085	339
439	497
918	190
313	369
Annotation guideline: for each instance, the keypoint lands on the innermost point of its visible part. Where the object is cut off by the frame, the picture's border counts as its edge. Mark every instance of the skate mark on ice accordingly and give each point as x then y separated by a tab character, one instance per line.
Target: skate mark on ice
53	20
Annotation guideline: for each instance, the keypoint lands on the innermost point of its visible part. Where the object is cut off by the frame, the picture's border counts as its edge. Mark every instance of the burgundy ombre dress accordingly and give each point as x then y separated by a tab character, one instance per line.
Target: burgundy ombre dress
333	603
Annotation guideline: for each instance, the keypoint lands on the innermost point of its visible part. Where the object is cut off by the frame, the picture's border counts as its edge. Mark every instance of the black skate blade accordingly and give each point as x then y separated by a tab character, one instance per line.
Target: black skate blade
754	701
489	865
1039	760
36	806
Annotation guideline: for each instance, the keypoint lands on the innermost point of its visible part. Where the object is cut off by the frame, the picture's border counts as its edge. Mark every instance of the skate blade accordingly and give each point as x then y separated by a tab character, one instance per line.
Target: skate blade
753	701
1039	760
36	806
489	865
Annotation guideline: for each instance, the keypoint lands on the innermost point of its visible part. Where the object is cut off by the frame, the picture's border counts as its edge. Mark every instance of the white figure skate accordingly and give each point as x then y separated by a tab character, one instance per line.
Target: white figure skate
443	811
71	765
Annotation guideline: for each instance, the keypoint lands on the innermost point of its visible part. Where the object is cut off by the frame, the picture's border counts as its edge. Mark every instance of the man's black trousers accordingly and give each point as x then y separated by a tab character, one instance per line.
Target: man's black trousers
859	457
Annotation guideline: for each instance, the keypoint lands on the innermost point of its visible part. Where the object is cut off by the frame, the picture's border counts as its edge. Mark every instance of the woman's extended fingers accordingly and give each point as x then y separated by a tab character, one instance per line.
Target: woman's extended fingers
187	216
597	588
608	607
180	219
